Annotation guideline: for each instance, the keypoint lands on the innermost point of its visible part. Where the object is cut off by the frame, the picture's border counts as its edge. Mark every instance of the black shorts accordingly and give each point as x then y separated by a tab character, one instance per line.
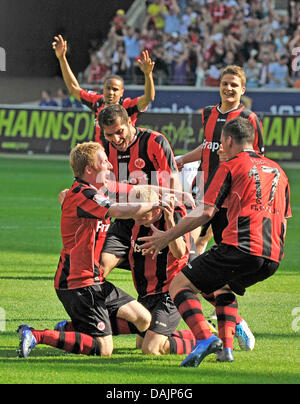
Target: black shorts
90	307
118	239
226	265
165	317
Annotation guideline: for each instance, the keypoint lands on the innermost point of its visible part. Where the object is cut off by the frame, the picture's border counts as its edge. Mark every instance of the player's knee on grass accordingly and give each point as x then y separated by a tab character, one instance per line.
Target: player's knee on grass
106	345
155	344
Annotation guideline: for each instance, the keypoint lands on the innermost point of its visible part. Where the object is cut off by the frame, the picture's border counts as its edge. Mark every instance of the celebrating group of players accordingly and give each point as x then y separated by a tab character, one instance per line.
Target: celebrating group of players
244	202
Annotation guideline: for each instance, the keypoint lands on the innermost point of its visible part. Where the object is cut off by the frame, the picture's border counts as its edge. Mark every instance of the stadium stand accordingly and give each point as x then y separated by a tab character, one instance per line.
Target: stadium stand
210	35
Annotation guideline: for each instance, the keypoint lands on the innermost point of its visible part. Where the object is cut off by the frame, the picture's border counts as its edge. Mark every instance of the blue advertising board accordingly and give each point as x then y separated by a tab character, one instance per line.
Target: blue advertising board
186	100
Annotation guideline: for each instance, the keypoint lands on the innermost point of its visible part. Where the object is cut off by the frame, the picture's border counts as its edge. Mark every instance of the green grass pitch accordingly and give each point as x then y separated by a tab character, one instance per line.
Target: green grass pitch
30	246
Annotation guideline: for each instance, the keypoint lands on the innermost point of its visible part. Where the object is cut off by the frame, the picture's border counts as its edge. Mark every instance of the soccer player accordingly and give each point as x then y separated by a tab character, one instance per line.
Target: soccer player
152	279
257	194
139	157
209	153
113	90
80	285
232	87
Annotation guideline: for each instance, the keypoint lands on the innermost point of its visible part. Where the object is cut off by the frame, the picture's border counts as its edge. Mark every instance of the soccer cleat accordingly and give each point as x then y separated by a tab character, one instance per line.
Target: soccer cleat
244	335
202	349
212	327
60	326
225	355
27	341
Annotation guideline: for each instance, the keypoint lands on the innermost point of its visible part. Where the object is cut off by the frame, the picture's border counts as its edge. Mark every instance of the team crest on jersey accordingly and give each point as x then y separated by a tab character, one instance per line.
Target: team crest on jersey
101	326
139	163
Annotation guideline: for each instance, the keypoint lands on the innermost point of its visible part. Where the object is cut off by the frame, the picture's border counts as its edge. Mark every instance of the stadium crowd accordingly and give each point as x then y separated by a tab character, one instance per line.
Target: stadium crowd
191	41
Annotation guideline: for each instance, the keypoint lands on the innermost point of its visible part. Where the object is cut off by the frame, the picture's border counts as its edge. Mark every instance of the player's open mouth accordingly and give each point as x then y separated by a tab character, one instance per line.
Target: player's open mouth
120	145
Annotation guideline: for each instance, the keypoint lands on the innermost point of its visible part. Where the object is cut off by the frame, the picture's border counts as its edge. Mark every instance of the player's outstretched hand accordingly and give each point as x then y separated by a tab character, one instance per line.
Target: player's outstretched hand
59	46
145	63
155	243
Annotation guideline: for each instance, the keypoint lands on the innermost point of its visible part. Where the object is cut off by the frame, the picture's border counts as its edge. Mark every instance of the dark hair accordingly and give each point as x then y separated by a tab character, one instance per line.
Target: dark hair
240	129
108	115
114	76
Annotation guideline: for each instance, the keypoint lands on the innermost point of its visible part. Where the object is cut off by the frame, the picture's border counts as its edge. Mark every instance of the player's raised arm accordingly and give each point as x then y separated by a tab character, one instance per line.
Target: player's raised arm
60	47
147	66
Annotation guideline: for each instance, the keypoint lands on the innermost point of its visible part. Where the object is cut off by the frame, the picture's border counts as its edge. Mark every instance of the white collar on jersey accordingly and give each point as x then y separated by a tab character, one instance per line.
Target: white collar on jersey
227	112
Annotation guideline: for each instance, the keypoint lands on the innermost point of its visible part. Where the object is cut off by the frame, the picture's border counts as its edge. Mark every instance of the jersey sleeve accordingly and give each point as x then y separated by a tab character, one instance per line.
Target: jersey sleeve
163	155
218	187
163	160
92	205
89	98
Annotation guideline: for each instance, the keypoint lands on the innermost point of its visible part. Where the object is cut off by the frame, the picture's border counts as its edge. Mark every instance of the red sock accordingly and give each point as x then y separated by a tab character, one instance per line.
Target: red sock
120	326
212	300
190	309
226	310
74	342
182	342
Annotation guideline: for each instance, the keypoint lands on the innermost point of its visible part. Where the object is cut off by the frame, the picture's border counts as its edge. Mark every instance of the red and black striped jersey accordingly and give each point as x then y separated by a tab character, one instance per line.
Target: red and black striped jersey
257	196
83	230
154	276
213	121
96	103
149	159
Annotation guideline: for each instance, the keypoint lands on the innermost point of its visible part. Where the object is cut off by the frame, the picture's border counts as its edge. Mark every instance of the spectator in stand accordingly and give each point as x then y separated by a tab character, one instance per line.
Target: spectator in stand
264	70
279	74
172	19
213	76
156	15
132	48
47	100
148	40
251	68
174	49
249	45
161	67
219	11
201	68
65	101
119	21
294	12
281	40
188	16
96	72
120	63
179	68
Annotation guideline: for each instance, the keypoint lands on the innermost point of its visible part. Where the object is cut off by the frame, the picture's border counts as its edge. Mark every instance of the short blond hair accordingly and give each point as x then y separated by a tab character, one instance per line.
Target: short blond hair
236	71
83	155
